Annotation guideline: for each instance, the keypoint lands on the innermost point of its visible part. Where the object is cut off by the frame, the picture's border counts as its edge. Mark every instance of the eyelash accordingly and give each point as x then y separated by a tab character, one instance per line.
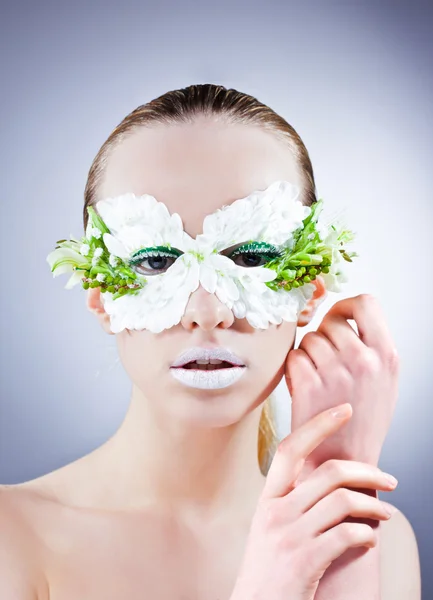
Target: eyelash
154	252
260	249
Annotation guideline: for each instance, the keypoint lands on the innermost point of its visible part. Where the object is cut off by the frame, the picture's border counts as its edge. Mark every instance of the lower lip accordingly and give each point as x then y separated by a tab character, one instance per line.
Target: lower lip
208	379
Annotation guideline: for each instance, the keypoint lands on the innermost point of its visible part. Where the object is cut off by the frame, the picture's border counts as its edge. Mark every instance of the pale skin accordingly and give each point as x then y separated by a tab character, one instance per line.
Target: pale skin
164	507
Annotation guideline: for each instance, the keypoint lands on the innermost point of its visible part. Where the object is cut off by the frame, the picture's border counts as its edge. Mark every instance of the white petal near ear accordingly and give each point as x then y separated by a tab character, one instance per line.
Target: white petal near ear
75	278
62	268
62	260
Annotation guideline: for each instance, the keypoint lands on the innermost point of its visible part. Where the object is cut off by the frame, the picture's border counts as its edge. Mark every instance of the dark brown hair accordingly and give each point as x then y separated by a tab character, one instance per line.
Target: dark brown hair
182	106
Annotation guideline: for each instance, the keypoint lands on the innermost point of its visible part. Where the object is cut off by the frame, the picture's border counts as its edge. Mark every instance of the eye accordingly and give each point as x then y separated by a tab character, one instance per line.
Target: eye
254	254
154	260
249	259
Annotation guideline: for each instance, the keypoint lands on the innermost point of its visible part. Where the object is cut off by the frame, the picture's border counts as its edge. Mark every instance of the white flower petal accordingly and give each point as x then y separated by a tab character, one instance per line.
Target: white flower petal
261	273
75	278
256	320
239	309
160	304
114	246
139	236
227	290
62	269
126	209
113	260
62	260
208	277
271	215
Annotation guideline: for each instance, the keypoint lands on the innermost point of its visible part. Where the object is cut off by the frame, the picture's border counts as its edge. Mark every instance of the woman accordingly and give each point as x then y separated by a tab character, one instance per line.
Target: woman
175	504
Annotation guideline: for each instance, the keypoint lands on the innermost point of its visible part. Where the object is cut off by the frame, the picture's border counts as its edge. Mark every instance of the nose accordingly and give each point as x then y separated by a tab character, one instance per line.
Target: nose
206	311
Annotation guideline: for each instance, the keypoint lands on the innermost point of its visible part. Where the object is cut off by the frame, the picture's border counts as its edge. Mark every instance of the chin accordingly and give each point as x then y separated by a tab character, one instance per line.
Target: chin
214	407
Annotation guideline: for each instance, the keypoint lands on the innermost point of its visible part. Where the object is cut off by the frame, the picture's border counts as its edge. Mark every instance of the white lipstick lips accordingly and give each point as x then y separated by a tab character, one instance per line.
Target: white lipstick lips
198	353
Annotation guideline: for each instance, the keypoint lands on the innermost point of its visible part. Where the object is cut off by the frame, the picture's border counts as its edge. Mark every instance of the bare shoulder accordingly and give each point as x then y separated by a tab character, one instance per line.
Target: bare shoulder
21	575
400	567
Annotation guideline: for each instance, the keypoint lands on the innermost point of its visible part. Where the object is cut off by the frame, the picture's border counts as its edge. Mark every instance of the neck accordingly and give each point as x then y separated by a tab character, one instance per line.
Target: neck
199	470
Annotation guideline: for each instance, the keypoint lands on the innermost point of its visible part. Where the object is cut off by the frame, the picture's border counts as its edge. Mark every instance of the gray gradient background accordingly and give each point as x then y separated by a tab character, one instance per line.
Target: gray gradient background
353	78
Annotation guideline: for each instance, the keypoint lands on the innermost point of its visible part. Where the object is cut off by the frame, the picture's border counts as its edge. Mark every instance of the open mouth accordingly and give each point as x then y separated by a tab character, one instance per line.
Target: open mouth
211	365
209	374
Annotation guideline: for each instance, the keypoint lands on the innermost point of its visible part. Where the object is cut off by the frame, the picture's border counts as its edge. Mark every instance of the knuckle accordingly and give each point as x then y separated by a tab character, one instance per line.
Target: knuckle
310	336
367	299
287	447
344	498
272	513
311	387
333	468
366	362
392	359
344	378
357	353
306	337
293	356
347	532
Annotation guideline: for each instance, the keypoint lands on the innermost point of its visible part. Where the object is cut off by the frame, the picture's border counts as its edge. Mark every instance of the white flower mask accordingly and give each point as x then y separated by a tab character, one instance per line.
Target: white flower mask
276	231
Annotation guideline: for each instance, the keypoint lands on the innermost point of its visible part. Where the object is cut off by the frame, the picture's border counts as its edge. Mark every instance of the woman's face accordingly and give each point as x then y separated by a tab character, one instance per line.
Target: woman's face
194	169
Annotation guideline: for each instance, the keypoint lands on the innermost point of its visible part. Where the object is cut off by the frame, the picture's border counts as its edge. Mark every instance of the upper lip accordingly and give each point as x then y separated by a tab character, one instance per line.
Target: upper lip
205	354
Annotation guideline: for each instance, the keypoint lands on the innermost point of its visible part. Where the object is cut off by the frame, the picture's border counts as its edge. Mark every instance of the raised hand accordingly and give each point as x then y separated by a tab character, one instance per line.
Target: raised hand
297	529
334	365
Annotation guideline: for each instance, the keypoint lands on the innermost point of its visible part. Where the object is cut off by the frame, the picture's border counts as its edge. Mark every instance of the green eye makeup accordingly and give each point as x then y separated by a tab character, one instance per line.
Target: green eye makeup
254	251
155	255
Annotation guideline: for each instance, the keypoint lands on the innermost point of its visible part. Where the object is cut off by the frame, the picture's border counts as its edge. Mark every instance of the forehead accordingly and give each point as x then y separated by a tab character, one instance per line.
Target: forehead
198	167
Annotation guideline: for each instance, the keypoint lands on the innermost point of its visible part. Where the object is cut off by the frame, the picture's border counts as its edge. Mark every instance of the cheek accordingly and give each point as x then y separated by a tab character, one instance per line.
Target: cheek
269	351
140	357
276	341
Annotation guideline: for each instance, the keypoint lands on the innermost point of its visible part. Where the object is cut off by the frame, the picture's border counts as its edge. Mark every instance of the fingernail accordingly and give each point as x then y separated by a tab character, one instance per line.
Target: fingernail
341	411
392	480
389	508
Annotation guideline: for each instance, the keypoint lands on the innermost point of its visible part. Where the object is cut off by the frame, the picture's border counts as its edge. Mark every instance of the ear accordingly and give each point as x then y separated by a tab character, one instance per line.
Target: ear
95	305
318	297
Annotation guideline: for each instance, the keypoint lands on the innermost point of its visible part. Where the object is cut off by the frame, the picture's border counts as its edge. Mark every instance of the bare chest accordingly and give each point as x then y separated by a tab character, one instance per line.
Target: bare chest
138	559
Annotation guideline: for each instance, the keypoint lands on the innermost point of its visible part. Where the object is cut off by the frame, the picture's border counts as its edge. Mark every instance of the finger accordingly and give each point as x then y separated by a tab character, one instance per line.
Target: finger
301	368
335	507
366	311
333	543
300	371
350	348
341	334
293	450
334	474
320	350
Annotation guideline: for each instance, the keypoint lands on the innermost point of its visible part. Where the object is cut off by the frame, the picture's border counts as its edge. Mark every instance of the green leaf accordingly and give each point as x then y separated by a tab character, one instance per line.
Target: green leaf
96	220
